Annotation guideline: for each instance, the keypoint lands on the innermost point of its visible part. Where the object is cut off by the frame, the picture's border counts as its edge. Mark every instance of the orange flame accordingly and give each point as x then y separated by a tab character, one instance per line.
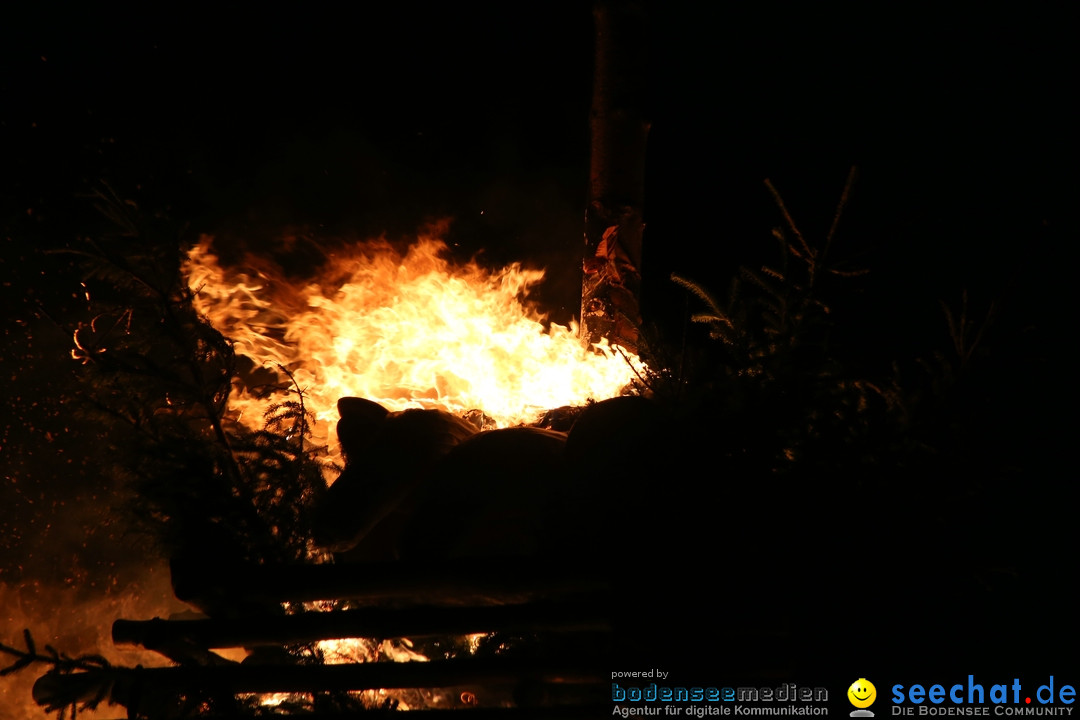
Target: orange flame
75	620
410	330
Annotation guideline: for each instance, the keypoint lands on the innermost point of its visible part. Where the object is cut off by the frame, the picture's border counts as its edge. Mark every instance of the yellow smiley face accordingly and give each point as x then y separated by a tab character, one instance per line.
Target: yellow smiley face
862	693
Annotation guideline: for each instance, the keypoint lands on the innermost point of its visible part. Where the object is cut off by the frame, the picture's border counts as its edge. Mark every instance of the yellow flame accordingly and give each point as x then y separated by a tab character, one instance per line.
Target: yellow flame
362	650
405	330
274	699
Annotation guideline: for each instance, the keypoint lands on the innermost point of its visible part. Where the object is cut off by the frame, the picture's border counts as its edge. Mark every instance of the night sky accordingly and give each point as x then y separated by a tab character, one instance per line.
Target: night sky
340	126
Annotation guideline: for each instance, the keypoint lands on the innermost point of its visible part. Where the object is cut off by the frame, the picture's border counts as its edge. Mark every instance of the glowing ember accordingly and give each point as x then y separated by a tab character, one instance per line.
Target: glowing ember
348	650
359	650
274	699
408	330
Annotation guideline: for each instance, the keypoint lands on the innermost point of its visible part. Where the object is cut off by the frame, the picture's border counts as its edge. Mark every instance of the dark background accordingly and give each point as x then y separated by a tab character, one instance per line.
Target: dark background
352	124
335	126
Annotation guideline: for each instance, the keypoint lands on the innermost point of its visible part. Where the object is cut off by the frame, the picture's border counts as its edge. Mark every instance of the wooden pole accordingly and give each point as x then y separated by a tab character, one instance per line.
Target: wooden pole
366	623
614	218
460	582
127	685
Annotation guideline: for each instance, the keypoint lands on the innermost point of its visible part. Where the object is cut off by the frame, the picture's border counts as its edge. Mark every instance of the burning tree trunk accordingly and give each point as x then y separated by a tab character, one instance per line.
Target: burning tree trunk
611	281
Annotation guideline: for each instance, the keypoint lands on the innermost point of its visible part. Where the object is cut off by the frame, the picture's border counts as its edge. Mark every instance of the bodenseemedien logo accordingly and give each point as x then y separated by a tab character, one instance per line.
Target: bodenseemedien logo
862	694
697	701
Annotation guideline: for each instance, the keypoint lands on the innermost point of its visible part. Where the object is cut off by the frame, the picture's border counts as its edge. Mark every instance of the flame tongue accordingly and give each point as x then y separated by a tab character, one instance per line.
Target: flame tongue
408	330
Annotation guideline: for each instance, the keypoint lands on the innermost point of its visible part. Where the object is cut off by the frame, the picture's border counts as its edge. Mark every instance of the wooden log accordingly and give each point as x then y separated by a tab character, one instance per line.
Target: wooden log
367	623
179	649
128	684
458	582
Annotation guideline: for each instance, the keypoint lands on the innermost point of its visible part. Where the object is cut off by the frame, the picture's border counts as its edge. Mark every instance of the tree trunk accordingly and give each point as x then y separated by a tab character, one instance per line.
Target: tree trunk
614	218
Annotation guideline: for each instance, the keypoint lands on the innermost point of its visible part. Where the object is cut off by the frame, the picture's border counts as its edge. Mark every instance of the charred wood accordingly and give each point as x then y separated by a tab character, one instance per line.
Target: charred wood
489	581
128	684
368	623
614	220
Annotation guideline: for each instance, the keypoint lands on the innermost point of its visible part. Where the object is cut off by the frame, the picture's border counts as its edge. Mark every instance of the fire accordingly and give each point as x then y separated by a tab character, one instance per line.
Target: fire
405	330
76	622
362	650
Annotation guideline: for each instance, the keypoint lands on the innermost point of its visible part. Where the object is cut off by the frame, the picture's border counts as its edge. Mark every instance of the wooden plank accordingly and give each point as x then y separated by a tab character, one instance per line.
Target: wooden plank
127	685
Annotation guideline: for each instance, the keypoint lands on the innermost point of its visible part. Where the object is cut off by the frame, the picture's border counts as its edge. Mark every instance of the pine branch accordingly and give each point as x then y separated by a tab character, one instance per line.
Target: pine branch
961	331
808	253
152	364
699	291
844	197
62	664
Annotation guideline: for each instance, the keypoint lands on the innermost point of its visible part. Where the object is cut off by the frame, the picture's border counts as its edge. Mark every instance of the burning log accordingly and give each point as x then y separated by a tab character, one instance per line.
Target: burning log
366	623
490	581
126	686
520	493
181	650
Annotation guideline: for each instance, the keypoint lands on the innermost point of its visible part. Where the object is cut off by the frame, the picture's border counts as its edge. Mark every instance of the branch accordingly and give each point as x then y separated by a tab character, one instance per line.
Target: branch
91	694
61	663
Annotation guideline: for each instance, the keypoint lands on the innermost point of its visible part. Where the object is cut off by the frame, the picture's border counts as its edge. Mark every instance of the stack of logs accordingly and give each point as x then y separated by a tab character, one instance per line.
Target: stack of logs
596	538
439	529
